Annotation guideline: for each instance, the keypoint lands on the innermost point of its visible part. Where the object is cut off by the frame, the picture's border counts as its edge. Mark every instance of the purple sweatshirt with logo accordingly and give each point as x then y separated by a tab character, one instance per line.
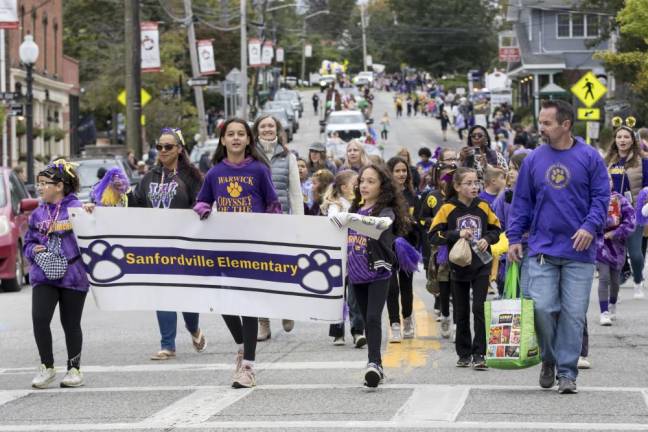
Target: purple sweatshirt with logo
557	193
246	187
75	277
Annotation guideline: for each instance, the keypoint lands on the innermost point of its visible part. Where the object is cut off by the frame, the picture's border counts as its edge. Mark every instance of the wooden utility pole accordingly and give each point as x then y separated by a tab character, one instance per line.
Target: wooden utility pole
133	77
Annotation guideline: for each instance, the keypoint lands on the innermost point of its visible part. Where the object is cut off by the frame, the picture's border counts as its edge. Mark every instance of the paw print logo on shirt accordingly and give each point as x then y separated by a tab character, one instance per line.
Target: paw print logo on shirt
558	176
234	189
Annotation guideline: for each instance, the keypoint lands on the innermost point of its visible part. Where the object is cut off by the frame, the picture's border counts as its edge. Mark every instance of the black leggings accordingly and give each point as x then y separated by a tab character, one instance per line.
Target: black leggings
44	301
444	298
400	283
371	299
244	331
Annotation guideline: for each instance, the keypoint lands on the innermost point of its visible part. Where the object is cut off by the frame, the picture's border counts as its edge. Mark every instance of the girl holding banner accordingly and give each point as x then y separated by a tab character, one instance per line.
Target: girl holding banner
239	181
56	272
172	183
374	249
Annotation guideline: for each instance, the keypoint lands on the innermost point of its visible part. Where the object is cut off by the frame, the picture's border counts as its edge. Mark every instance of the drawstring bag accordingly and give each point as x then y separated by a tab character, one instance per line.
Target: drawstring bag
510	328
52	261
461	253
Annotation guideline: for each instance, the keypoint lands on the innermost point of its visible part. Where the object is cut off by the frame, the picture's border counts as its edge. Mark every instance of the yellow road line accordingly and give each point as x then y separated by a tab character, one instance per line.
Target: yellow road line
411	353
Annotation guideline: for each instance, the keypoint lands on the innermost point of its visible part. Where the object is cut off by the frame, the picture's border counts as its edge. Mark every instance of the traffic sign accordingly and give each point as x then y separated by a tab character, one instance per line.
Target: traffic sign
590	114
16	109
589	89
146	97
197	82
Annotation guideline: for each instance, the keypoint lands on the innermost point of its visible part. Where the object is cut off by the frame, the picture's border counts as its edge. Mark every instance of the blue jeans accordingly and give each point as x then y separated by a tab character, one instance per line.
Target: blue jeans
168	322
560	289
636	255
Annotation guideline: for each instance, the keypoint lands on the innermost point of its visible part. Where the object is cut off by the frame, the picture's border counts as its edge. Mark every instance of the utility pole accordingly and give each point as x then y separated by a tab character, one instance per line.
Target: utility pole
195	71
363	24
303	62
244	61
133	77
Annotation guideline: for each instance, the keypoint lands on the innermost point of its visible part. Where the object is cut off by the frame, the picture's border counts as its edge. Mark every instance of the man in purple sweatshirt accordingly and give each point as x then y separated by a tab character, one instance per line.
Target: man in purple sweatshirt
561	200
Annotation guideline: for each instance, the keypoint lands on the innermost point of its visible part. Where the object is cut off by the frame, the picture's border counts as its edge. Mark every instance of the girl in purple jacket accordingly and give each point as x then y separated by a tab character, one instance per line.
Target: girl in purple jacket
56	273
237	157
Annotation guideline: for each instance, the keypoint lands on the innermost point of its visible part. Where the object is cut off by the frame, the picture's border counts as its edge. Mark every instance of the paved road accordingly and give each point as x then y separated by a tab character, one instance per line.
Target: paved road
305	383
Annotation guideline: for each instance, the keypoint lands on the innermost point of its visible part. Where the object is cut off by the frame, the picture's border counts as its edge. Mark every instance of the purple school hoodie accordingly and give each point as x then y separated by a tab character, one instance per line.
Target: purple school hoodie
75	277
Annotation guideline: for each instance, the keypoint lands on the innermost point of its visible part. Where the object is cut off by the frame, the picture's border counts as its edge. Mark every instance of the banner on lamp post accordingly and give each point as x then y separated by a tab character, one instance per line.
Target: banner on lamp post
308	50
267	53
254	52
150	46
206	59
280	55
369	60
9	14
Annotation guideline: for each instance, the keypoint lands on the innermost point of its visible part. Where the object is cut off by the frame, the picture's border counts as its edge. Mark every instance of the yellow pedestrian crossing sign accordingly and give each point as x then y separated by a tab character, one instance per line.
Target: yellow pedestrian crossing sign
589	114
145	96
589	89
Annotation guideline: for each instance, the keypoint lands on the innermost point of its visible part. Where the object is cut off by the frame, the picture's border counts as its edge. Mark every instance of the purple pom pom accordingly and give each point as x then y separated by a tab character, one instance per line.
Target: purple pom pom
408	257
642	199
442	255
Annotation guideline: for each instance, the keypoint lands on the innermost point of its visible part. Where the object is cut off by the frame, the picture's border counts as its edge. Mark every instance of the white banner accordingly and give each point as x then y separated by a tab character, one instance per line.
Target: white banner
308	50
267	53
9	14
280	55
206	57
150	46
254	52
251	264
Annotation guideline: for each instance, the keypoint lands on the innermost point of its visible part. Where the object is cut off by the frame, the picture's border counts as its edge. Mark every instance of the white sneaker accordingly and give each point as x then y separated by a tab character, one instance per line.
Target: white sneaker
639	291
605	319
338	341
408	328
612	310
395	333
445	328
583	363
73	378
44	377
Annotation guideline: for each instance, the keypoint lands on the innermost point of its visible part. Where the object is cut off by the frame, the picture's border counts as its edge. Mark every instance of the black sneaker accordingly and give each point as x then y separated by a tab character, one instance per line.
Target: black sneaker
373	375
463	362
479	363
548	375
567	386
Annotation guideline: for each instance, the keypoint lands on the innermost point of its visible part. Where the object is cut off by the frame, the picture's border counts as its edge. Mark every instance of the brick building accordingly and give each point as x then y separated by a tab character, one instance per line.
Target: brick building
56	81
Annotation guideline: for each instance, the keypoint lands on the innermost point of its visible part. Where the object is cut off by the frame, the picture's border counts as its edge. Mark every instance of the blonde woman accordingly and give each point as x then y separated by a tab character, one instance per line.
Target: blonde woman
356	156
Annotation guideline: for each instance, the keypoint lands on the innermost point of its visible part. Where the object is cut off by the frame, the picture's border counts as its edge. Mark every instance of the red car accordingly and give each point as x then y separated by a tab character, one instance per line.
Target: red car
15	207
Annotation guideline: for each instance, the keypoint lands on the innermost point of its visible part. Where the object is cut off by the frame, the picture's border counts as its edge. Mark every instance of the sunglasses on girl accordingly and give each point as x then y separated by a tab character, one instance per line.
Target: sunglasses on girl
477	135
165	147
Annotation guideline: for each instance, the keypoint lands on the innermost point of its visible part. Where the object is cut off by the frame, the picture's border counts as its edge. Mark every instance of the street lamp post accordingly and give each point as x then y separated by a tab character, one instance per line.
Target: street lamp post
28	52
303	59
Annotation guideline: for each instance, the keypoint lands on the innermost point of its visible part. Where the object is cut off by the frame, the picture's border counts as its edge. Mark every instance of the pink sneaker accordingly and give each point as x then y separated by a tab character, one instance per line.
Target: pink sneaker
244	378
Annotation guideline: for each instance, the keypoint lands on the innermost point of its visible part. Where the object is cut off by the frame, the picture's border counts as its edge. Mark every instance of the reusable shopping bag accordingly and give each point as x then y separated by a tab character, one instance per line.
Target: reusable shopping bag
461	253
511	341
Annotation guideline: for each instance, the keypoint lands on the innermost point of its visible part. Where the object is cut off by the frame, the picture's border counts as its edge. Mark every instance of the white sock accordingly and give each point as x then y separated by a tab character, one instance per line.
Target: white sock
240	347
248	363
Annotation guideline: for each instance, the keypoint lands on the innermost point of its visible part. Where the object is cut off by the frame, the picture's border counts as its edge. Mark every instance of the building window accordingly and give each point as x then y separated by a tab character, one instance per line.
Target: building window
577	25
564	25
22	23
33	23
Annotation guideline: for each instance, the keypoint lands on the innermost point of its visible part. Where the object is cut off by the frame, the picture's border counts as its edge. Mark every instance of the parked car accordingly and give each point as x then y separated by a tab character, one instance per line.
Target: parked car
348	124
282	116
88	169
288	106
293	97
15	207
209	146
